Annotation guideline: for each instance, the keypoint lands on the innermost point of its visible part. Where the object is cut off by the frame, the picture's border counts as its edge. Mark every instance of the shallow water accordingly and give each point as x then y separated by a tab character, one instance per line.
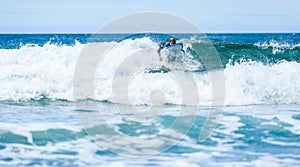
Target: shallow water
51	134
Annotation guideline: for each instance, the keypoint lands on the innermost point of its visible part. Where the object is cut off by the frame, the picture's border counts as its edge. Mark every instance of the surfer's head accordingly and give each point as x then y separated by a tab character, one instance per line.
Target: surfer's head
172	41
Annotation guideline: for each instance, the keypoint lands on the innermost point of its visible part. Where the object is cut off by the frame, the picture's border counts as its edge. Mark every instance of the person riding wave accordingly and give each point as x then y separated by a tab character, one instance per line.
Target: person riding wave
171	42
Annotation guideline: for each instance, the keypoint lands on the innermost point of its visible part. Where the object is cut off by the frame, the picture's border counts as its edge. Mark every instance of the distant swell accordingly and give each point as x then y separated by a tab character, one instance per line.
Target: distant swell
270	52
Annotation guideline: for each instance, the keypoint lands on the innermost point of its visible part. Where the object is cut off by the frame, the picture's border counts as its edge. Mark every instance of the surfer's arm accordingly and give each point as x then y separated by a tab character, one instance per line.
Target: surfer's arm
158	51
161	46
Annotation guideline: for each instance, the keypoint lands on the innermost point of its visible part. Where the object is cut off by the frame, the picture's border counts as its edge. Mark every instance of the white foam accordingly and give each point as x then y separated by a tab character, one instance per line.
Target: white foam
33	72
277	47
255	83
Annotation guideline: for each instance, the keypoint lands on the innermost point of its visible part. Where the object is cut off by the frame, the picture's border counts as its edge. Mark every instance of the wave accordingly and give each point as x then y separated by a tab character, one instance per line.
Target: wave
277	47
35	72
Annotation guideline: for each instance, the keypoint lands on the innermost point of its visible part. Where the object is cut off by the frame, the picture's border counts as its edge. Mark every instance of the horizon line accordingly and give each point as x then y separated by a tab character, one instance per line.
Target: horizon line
208	32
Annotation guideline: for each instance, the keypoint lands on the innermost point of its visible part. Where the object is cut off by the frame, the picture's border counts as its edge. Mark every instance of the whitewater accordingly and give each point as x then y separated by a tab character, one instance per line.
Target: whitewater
34	72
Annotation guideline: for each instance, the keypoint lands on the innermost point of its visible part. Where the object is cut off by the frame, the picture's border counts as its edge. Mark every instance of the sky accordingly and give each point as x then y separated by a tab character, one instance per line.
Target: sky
87	16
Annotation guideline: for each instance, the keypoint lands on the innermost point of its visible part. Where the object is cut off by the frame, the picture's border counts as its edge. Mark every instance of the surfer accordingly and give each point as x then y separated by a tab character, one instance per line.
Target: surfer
171	42
162	45
170	45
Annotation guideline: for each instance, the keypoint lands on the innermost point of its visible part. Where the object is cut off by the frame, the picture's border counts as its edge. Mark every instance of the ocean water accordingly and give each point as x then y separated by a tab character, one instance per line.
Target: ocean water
88	100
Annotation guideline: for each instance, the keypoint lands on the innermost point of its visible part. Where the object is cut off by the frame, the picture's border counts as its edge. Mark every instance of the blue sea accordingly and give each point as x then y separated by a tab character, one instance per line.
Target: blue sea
108	100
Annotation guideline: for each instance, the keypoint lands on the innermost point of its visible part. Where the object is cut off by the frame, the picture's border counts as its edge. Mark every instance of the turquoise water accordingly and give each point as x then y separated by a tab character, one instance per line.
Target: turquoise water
50	134
42	122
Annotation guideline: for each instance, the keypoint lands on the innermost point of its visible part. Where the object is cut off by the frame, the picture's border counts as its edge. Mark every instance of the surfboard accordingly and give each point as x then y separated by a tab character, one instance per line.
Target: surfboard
176	48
